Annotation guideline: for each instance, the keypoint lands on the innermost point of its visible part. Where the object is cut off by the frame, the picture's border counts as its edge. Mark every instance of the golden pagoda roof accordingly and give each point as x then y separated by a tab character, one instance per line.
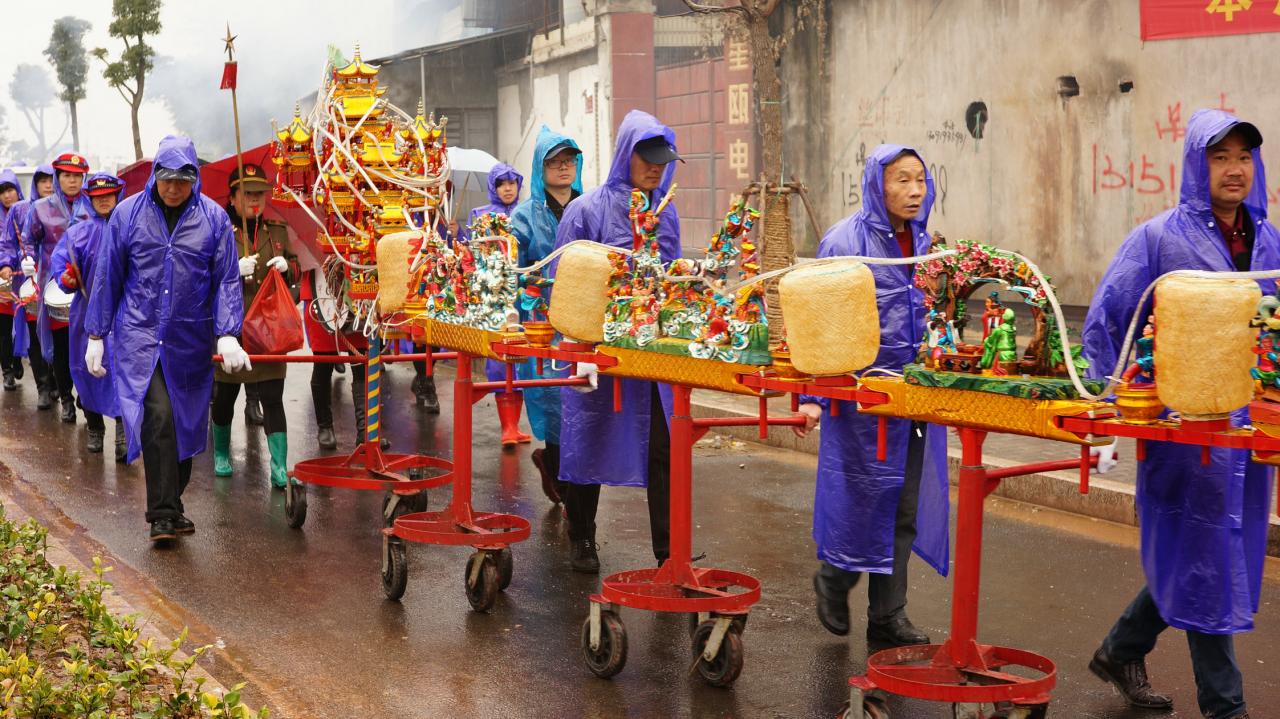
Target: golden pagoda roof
357	68
296	132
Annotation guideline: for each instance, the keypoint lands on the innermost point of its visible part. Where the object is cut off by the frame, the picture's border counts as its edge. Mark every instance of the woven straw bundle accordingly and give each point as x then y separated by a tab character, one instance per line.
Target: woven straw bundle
393	271
833	325
581	293
1203	344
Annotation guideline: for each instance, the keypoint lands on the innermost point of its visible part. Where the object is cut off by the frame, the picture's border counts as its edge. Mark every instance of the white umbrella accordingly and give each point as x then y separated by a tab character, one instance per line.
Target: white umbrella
467	161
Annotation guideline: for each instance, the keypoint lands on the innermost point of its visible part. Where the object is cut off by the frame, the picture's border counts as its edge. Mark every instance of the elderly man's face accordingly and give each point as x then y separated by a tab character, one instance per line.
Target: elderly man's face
644	174
174	192
904	189
1230	172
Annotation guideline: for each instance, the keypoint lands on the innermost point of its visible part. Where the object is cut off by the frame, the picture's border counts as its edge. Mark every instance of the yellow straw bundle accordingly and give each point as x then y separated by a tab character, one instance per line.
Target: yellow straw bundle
581	293
833	325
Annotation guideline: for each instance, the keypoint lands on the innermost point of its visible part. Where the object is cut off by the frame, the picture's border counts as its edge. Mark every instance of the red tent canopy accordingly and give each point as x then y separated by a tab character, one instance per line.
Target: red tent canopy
213	183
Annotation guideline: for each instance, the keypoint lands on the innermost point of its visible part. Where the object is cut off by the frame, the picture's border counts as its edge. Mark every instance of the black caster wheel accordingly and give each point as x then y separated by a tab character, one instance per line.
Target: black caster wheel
611	656
295	503
724	669
404	504
395	569
873	706
739	623
483	589
506	567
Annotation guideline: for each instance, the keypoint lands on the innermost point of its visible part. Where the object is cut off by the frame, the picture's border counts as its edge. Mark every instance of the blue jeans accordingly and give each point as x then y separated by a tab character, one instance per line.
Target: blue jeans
1219	685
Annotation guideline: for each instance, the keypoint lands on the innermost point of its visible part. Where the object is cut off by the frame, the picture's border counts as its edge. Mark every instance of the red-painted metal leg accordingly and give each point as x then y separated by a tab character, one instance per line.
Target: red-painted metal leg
678	567
460	503
764	418
1084	469
617	395
1204	455
882	438
1140	450
961	648
795	402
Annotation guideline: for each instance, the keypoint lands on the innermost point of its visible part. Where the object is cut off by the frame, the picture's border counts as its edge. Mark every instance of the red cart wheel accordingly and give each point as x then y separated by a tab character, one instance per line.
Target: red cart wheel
609	658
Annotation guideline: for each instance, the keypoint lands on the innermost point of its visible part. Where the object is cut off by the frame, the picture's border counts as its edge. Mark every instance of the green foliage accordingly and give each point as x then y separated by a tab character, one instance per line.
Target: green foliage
132	21
66	53
63	654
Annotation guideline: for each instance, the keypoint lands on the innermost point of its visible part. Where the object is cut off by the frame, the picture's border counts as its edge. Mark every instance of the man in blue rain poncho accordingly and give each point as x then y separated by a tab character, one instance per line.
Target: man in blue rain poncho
504	185
630	448
166	285
13	253
868	514
554	182
74	260
1204	527
48	220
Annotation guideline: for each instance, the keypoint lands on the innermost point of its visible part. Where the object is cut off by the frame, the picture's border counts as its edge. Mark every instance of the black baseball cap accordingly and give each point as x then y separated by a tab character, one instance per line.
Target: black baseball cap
1247	130
186	173
657	151
561	149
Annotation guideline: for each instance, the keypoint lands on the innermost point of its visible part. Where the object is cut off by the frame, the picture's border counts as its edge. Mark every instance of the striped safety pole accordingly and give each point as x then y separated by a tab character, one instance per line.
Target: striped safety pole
373	403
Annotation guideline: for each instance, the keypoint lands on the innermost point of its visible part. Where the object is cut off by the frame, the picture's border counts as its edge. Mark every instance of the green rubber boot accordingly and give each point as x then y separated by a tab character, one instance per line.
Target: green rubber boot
221	450
278	443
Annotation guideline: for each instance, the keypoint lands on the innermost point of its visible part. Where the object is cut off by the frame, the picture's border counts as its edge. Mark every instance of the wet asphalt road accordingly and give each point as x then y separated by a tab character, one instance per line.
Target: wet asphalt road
301	615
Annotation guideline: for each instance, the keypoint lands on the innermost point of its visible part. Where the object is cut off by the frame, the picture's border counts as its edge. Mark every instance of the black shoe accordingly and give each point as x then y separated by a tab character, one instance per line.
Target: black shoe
833	607
95	441
430	402
122	444
897	632
340	368
1131	681
326	438
182	525
583	557
162	530
69	410
44	400
18	371
10	381
252	412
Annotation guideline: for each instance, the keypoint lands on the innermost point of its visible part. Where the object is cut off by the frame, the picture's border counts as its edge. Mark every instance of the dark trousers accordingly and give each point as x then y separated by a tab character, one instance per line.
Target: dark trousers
269	392
887	593
94	422
1219	685
582	500
322	390
6	343
167	477
62	364
41	371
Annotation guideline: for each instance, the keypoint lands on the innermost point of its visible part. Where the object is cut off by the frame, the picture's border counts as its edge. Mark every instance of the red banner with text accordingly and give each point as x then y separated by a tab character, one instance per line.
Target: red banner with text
1168	19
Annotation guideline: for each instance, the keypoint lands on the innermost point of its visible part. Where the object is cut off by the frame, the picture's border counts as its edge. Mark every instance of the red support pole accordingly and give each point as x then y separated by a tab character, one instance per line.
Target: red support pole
962	644
1140	452
795	402
1084	469
460	503
617	395
882	438
679	564
764	418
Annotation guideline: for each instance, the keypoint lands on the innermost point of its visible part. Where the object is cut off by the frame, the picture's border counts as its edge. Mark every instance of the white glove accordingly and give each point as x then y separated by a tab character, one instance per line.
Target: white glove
28	266
248	265
279	264
234	358
1106	455
591	372
93	358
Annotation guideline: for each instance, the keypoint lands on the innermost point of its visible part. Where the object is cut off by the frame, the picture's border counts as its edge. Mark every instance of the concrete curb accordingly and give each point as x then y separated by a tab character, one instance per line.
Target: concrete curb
1107	499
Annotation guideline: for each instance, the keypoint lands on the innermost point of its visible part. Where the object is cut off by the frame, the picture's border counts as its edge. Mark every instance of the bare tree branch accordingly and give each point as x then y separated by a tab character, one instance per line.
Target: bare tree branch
715	9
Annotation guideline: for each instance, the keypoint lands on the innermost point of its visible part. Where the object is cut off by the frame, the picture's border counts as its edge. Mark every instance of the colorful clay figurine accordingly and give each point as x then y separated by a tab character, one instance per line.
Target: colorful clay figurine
1001	346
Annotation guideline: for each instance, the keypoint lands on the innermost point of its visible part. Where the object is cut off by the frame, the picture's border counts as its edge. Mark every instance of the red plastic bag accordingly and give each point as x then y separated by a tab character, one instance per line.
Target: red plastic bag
272	326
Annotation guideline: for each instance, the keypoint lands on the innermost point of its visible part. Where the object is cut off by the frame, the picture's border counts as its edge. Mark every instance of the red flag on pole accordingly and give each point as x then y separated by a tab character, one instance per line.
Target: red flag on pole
1166	19
228	76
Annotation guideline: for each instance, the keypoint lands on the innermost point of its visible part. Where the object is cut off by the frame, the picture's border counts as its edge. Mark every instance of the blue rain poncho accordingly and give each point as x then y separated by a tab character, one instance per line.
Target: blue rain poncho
45	224
1204	528
856	500
165	298
598	445
11	253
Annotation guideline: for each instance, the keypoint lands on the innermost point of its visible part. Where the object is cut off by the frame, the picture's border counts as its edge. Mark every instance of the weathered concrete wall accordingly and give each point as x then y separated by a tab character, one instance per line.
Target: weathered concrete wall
1061	179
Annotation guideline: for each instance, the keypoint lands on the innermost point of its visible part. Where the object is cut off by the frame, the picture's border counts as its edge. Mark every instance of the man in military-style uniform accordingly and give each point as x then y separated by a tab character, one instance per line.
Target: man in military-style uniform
265	246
